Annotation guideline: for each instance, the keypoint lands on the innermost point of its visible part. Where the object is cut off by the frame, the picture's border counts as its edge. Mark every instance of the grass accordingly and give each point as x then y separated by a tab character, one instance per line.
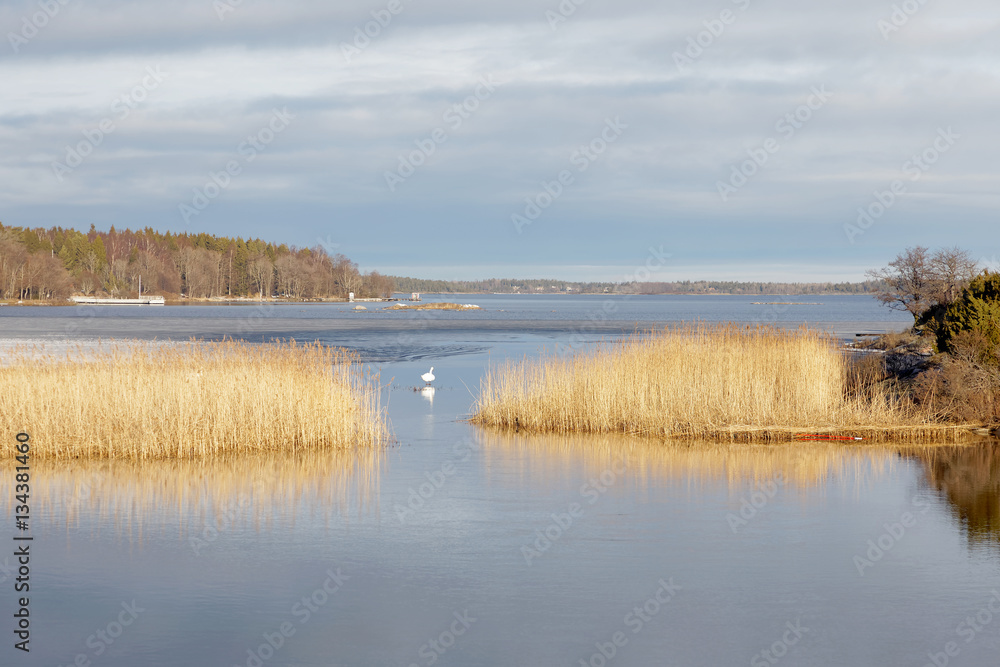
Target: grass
722	382
144	401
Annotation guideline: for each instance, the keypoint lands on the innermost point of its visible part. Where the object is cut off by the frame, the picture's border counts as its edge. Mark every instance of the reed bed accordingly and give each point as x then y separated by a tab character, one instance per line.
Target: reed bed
720	382
138	400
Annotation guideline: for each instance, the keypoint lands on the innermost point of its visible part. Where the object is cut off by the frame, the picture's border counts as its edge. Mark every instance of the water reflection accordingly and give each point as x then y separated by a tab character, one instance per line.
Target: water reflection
808	465
136	497
969	477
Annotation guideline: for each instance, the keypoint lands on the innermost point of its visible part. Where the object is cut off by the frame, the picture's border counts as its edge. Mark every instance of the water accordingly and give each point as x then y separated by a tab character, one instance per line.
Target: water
460	546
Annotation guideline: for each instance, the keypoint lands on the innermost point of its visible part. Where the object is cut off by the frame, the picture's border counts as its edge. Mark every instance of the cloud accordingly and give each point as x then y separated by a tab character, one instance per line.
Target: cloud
359	113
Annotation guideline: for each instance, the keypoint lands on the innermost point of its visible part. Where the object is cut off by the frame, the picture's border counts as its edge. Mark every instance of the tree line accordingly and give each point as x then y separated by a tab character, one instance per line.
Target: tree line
55	263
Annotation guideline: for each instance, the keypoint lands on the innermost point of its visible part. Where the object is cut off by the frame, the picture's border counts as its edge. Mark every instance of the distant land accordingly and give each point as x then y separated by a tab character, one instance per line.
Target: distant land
550	286
49	265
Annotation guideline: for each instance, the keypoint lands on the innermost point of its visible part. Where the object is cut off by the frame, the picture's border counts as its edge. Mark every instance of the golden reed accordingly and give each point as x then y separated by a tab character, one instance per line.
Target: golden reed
145	401
728	382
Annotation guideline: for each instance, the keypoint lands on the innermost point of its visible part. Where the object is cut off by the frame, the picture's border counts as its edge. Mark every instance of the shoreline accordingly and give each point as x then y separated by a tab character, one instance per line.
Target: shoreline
251	301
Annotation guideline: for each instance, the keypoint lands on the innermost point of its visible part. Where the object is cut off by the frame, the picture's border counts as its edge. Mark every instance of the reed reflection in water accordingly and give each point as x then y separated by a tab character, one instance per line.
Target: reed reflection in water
966	476
198	498
808	465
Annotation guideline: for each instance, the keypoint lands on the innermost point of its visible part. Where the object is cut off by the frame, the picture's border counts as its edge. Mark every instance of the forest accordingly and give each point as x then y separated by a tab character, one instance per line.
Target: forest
54	263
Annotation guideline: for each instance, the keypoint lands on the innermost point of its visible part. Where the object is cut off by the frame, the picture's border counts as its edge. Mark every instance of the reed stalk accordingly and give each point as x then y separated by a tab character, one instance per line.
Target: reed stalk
720	382
144	401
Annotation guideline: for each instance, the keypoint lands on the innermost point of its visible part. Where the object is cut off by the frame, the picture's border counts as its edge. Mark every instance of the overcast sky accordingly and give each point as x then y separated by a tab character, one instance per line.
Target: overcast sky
740	137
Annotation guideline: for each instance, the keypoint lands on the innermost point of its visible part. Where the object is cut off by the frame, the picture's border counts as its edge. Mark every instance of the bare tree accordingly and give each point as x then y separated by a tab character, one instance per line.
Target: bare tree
954	269
13	256
116	276
346	275
261	274
87	282
155	274
379	285
51	280
201	269
917	280
292	275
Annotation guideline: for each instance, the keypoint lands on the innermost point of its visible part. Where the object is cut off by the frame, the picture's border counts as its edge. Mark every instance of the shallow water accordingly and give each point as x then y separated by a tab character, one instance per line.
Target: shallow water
461	546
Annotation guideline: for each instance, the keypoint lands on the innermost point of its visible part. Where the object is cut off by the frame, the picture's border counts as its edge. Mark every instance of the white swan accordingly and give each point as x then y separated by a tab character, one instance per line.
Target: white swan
428	377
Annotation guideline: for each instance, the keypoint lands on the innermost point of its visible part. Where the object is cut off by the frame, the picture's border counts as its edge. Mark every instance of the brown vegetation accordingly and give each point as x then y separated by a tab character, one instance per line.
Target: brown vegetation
147	401
54	263
917	280
961	387
726	381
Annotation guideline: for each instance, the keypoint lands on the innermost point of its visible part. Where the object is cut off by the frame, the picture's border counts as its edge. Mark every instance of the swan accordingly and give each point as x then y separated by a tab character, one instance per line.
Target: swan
428	377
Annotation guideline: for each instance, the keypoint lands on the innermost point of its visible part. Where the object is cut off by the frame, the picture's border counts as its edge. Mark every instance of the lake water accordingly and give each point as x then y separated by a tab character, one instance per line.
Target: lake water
460	546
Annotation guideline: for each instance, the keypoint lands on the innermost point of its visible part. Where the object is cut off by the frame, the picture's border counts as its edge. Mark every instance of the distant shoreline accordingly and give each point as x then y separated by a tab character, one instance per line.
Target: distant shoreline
247	301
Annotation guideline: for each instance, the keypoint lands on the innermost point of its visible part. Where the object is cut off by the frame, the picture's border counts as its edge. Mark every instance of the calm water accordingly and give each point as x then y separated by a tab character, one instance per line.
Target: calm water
463	547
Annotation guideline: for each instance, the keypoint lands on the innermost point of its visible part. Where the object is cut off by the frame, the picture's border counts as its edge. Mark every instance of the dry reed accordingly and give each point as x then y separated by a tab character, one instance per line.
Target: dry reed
143	401
726	382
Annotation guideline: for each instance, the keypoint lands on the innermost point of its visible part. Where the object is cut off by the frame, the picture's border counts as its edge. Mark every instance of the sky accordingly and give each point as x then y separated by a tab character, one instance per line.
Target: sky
577	140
